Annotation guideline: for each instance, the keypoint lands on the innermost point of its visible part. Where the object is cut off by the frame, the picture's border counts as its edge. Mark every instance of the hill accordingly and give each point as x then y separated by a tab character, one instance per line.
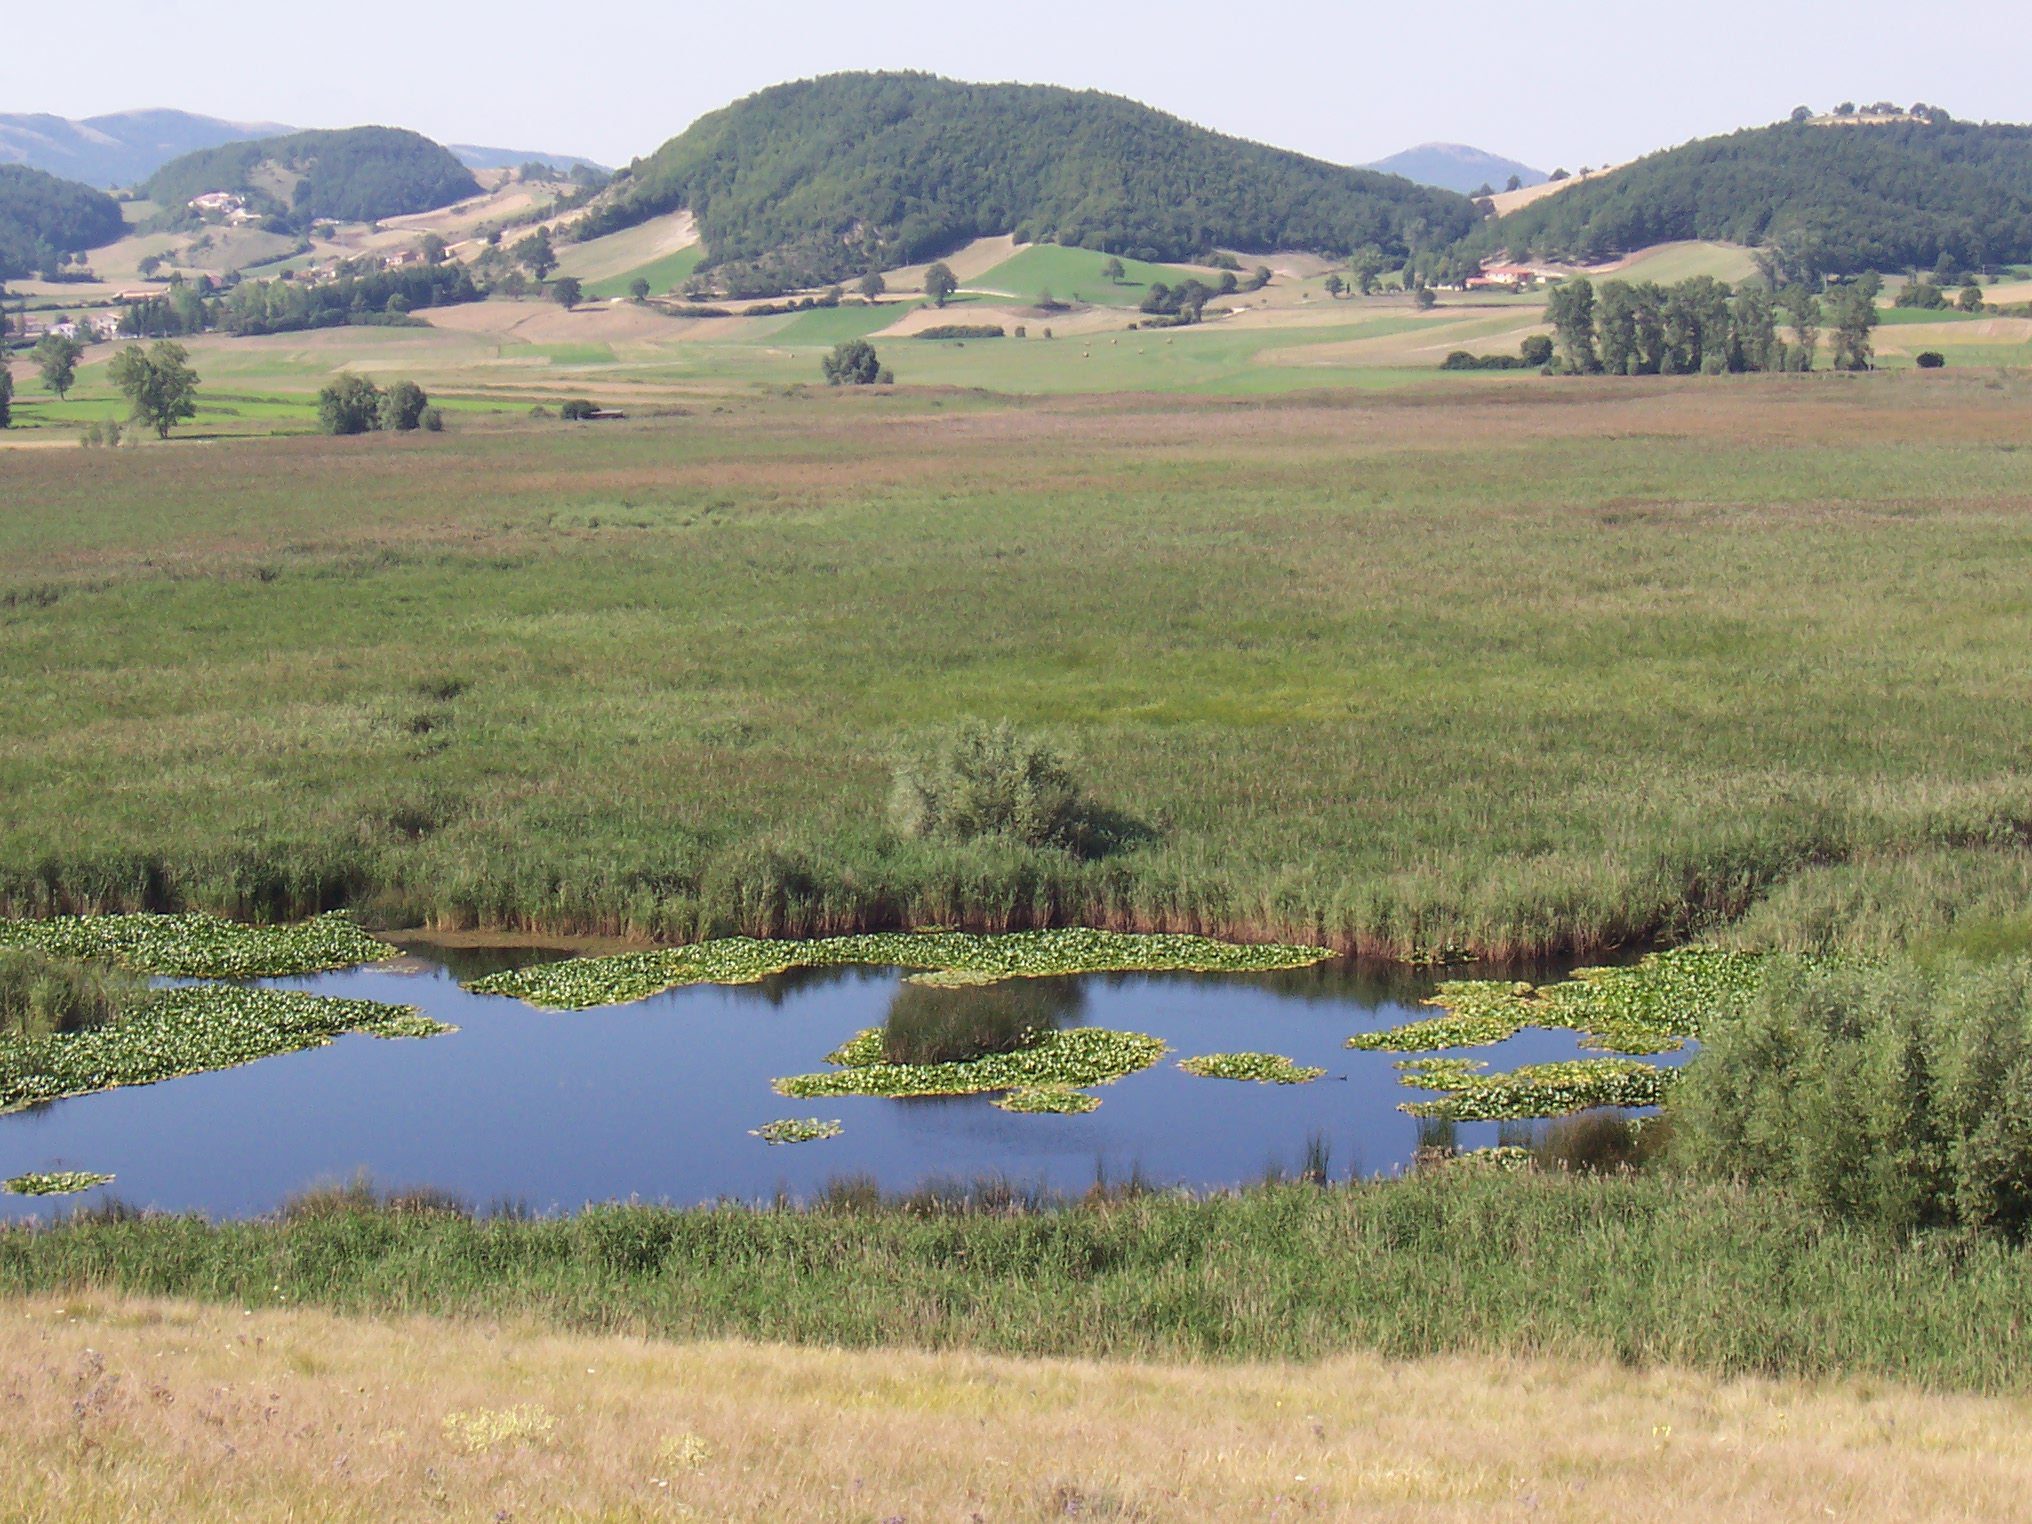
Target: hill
1457	167
123	148
1833	199
481	156
823	179
43	217
355	174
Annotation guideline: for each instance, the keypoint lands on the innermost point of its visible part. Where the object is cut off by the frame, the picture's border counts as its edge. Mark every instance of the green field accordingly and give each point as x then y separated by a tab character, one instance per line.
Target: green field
664	274
1073	275
1399	671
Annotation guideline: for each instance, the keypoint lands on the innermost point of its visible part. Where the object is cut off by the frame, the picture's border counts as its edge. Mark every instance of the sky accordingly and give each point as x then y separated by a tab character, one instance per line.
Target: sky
1555	84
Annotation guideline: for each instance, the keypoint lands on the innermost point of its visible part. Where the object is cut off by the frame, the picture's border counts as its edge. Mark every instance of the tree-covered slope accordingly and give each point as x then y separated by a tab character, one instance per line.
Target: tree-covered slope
826	178
355	174
42	217
1838	198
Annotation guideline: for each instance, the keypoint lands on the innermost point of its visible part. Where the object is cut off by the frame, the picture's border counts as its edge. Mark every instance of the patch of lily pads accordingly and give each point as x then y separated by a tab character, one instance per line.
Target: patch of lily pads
1651	1006
1263	1068
1047	1100
944	957
198	946
796	1130
62	1182
190	1029
1469	1094
1069	1060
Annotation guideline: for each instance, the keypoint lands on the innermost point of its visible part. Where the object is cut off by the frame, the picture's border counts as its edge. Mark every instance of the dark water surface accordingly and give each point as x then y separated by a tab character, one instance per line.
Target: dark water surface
654	1100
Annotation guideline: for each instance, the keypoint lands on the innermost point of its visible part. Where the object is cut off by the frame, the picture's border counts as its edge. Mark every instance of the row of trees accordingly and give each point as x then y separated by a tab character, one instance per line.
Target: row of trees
158	382
1704	327
354	405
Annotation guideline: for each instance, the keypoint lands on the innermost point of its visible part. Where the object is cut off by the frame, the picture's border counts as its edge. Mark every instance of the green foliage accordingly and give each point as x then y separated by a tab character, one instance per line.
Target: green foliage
1930	359
63	1182
354	297
56	357
1887	196
566	291
1047	1100
962	331
403	406
349	404
1898	1096
577	409
188	1030
796	1130
6	397
1264	1068
1920	296
40	993
1535	1090
979	780
195	946
580	983
1066	1060
355	174
158	383
916	165
853	362
43	218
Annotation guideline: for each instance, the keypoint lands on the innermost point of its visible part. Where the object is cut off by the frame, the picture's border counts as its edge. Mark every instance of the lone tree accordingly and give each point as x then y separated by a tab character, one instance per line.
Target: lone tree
939	284
1113	270
57	356
6	397
535	254
872	285
349	405
158	383
403	406
566	291
1335	286
855	363
639	289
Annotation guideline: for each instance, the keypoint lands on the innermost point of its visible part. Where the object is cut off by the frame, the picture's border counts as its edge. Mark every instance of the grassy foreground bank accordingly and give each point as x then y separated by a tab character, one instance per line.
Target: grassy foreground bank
1643	1270
1512	670
123	1408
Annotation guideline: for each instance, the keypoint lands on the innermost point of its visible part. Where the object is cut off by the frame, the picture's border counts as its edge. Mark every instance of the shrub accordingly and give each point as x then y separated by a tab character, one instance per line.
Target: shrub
964	331
979	780
1536	351
402	407
853	363
40	994
932	1025
431	420
1932	359
349	405
577	410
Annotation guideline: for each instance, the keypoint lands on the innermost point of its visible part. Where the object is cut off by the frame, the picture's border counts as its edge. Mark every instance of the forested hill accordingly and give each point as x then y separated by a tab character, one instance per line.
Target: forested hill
355	174
1837	198
827	178
43	218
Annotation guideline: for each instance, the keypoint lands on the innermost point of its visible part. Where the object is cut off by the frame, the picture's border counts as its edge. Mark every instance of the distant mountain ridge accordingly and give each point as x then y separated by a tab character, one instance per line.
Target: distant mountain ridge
350	174
1457	167
823	179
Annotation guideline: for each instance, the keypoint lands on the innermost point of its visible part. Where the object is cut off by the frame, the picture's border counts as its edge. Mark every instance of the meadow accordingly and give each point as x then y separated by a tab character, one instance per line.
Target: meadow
1507	668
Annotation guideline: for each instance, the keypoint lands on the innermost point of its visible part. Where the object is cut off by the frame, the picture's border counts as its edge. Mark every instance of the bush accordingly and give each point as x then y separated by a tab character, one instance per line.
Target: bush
577	410
1932	359
402	407
40	994
931	1025
1536	351
965	331
853	363
349	405
979	780
431	421
1896	1095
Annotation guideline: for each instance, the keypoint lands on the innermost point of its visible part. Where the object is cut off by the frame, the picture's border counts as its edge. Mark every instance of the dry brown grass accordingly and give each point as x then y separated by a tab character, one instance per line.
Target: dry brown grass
133	1410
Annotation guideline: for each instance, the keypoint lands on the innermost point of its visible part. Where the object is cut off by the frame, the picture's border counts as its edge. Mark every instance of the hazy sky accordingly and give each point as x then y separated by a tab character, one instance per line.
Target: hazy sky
1562	84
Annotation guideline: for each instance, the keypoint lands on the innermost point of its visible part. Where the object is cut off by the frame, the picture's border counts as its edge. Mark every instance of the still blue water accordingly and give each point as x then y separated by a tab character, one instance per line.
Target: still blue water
655	1100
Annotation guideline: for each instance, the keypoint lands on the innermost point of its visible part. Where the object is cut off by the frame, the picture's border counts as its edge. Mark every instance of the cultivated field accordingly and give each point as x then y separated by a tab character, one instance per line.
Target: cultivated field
125	1408
1505	667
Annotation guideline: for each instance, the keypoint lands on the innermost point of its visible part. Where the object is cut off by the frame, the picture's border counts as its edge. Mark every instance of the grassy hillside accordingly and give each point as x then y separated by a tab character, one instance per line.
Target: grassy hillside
354	174
823	179
1836	199
1073	275
43	218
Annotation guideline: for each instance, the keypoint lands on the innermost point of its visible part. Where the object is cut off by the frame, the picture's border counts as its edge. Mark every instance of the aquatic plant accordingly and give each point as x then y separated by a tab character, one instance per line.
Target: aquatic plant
189	1030
40	993
937	1024
1535	1090
864	1047
1055	1100
62	1182
581	983
197	946
1063	1060
796	1130
1651	1006
1265	1068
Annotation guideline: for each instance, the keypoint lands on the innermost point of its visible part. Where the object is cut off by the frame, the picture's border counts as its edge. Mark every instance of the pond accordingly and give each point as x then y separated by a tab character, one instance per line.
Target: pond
656	1100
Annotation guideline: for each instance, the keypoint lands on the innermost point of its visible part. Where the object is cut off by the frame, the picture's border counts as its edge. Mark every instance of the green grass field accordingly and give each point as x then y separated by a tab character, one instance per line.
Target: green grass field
1506	666
1073	275
664	274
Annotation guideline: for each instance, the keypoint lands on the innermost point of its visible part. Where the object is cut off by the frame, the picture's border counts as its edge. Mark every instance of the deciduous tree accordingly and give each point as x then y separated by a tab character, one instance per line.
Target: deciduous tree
158	383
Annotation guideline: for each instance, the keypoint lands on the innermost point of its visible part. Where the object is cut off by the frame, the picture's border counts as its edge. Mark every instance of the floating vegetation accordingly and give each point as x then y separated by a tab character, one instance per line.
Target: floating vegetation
1264	1068
945	957
1061	1060
796	1130
858	1051
199	946
1055	1100
62	1182
1651	1006
1536	1090
189	1030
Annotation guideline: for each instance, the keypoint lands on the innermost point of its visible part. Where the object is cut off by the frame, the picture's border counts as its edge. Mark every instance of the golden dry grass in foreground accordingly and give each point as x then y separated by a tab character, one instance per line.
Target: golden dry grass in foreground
130	1409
